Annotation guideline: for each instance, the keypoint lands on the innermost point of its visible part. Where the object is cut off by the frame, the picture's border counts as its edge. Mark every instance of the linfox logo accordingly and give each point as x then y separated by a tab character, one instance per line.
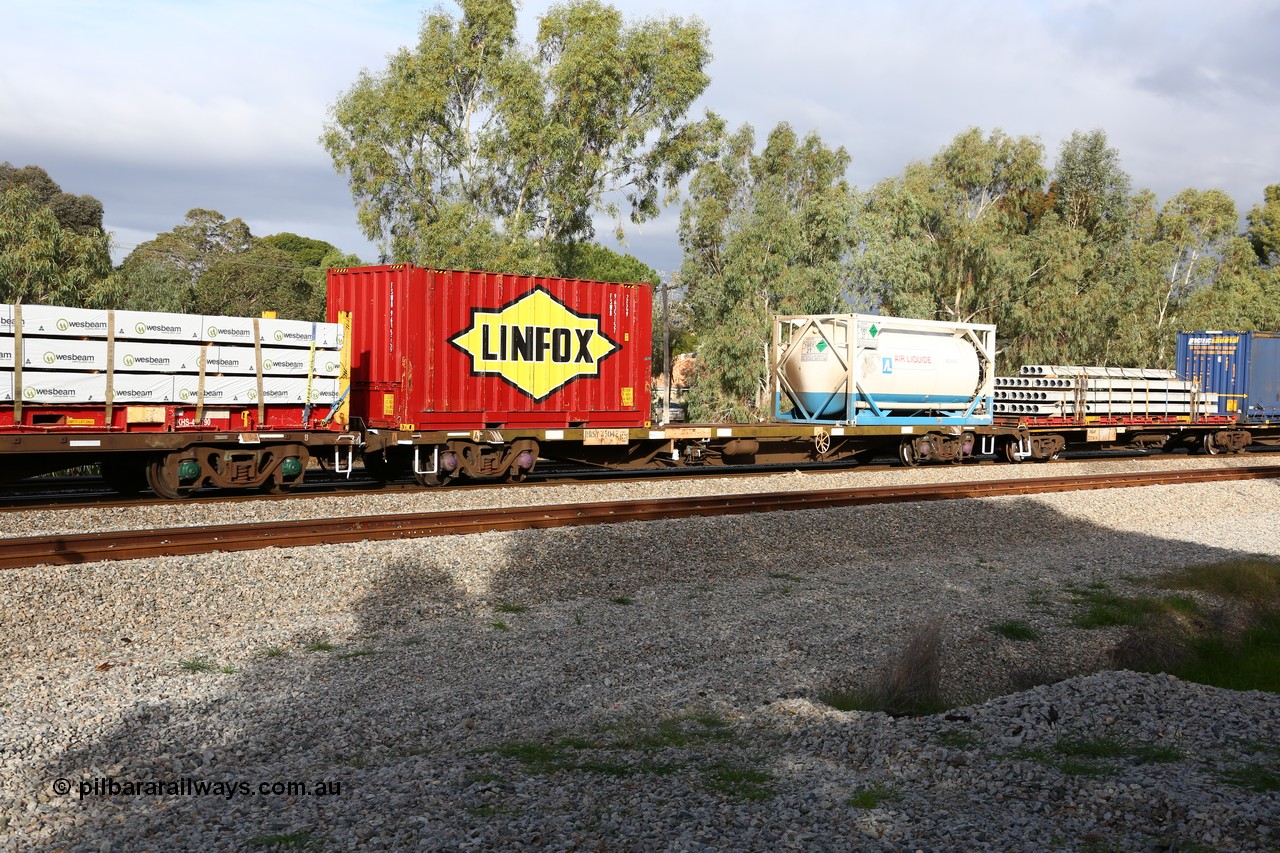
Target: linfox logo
535	343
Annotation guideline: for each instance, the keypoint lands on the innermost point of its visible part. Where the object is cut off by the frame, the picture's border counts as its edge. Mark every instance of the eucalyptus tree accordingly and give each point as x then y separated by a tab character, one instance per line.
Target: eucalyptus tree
164	274
43	262
947	239
1242	295
1264	227
1193	227
763	234
473	146
81	214
1076	239
52	245
214	265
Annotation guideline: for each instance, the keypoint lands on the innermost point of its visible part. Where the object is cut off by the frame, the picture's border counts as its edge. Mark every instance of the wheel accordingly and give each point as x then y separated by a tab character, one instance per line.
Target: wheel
166	476
430	480
444	462
907	453
1009	452
1211	445
278	486
289	472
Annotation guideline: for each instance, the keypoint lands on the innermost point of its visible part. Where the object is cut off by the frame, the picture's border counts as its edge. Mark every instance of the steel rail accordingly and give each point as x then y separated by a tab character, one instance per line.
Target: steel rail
126	545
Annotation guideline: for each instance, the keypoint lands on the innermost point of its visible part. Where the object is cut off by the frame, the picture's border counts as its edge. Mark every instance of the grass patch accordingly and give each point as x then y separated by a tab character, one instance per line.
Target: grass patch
1040	600
320	646
511	607
499	625
1099	756
958	740
872	796
1255	777
679	731
1236	645
1103	608
199	664
1117	748
1015	629
535	755
1250	661
622	599
908	685
274	652
738	781
1252	581
631	748
488	811
298	840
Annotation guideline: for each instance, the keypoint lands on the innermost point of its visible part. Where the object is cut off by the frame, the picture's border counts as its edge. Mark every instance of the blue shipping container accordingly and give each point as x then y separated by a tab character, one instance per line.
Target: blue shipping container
1242	368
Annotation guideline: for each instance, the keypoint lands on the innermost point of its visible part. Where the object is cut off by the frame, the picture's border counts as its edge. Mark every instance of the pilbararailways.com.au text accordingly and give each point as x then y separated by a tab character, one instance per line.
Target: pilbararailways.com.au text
186	786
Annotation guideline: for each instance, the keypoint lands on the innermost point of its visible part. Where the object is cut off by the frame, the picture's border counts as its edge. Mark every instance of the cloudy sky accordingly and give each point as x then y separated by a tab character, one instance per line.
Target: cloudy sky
159	107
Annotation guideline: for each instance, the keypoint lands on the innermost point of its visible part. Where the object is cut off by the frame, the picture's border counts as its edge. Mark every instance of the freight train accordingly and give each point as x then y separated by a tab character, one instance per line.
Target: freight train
443	375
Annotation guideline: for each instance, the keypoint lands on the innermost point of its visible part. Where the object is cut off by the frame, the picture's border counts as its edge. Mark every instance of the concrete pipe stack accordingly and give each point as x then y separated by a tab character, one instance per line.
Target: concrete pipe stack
1076	392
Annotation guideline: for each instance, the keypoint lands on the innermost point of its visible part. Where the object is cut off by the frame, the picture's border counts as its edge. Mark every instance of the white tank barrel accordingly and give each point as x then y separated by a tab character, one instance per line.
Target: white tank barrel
856	366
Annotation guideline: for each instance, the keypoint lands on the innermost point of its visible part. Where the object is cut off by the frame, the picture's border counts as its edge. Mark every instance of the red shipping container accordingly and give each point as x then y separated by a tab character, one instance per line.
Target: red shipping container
441	350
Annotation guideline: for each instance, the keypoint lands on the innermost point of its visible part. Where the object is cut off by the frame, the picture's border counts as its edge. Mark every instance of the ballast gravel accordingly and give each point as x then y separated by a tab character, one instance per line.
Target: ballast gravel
654	686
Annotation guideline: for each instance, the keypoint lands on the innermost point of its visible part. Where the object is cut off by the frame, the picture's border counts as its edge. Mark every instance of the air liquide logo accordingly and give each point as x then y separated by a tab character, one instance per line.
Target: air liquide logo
534	343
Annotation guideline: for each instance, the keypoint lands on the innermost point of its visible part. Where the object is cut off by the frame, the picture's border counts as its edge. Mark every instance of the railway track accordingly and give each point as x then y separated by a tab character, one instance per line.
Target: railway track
74	492
67	493
125	545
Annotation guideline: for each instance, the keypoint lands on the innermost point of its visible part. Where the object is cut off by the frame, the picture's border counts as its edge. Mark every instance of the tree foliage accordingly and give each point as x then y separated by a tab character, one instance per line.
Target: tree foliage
212	265
949	239
1069	263
599	263
473	150
1264	227
81	214
763	234
52	246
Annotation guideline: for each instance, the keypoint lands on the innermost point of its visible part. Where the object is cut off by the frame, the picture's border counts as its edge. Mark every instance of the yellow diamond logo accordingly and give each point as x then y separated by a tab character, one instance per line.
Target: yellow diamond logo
535	343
